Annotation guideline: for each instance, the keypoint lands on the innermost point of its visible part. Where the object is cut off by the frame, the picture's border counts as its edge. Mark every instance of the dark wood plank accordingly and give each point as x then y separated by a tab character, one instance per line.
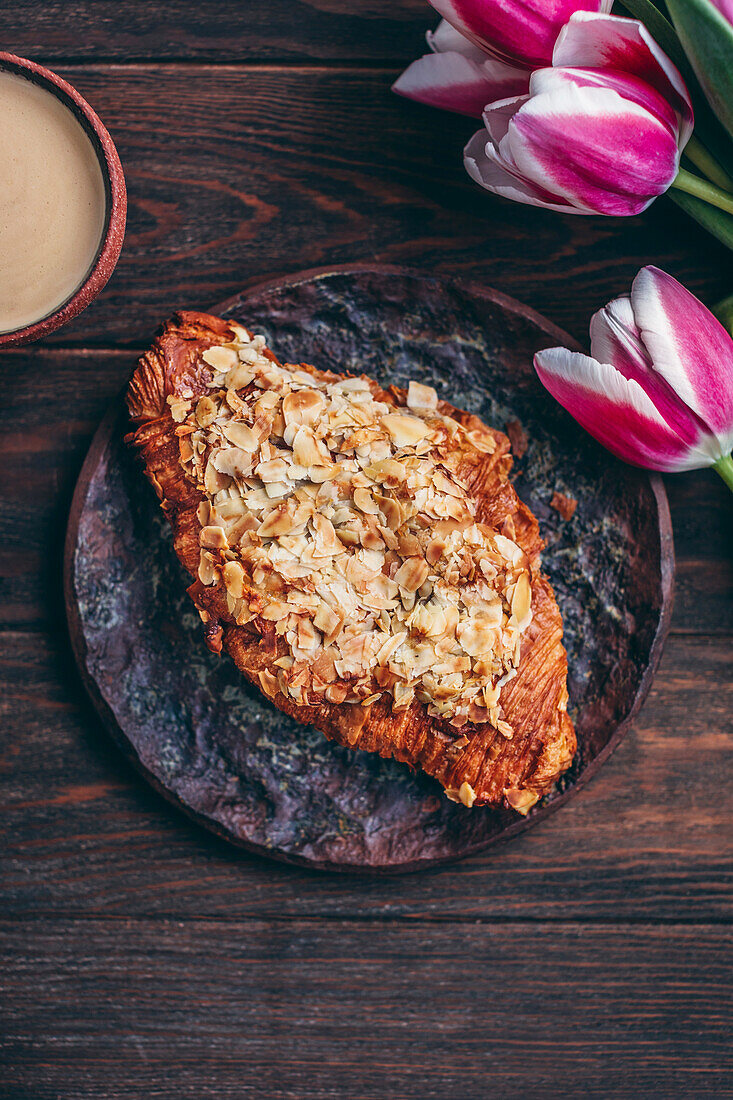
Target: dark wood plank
648	839
316	1010
220	30
55	402
235	175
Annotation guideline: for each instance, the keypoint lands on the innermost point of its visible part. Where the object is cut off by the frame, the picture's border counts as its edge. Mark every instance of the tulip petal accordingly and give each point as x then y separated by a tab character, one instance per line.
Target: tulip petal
615	338
616	411
628	87
446	39
484	165
519	30
689	347
599	41
457	83
593	148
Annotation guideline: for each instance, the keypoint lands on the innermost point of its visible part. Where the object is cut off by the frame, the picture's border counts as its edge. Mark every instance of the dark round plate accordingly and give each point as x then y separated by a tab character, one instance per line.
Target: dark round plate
214	745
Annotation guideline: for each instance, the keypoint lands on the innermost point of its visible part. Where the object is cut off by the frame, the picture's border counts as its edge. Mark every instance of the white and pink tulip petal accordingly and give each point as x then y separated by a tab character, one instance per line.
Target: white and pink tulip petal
485	166
589	146
615	338
690	350
454	82
629	87
617	412
606	42
516	30
446	39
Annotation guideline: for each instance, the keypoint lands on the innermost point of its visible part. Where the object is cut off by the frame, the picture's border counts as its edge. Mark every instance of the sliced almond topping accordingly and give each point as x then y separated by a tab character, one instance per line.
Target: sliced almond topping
412	574
476	636
278	522
421	397
269	684
206	410
239	377
241	435
404	430
234	579
214	480
213	538
221	359
520	800
305	449
303	407
521	600
467	794
365	502
388	472
374	570
207	571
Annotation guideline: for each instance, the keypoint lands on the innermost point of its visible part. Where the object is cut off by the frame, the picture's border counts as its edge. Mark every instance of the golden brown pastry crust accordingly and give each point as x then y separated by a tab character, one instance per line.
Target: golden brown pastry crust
495	769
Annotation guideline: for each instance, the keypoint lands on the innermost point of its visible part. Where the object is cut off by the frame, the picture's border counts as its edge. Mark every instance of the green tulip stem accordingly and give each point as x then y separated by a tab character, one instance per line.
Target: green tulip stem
724	466
708	192
707	164
724	312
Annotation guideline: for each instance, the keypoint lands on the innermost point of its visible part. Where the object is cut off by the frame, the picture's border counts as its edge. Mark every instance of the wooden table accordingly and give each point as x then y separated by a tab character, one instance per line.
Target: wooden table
143	958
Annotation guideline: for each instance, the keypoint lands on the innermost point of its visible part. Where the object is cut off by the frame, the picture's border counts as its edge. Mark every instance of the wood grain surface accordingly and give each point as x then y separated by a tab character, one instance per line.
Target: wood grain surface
141	957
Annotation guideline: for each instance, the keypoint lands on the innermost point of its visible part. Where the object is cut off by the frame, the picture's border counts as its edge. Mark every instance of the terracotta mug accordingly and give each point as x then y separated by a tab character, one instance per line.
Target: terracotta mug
113	232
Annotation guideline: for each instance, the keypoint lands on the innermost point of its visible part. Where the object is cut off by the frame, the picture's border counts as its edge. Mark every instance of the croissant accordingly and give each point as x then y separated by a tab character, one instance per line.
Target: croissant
361	556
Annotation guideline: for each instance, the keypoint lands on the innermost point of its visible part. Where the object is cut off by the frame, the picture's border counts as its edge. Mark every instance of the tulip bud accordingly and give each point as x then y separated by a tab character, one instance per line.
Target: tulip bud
600	132
657	388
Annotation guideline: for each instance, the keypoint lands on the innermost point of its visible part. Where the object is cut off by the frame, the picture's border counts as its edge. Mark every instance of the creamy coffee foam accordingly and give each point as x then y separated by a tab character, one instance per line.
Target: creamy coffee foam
52	203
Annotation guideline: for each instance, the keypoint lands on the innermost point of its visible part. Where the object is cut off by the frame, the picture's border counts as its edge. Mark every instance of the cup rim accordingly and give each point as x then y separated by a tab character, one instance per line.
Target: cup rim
110	245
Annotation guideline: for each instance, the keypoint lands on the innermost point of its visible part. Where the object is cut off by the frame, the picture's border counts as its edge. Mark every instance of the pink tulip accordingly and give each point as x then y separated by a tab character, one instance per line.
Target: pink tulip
600	132
459	76
519	31
657	389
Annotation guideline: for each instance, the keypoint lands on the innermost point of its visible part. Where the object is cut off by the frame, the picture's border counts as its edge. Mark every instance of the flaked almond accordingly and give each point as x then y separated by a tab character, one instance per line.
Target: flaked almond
207	571
421	397
435	550
412	574
179	407
268	683
365	502
305	449
239	377
521	600
241	435
326	542
214	480
328	621
221	359
467	794
274	470
387	472
405	430
520	800
302	407
278	522
476	636
234	579
213	538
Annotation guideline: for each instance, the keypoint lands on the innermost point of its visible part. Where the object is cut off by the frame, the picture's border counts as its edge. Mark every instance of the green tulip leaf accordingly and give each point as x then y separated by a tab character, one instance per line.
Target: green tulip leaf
715	221
707	37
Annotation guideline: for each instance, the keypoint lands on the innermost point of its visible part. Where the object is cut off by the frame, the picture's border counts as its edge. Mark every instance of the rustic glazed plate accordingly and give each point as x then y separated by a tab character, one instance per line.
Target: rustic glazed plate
210	742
